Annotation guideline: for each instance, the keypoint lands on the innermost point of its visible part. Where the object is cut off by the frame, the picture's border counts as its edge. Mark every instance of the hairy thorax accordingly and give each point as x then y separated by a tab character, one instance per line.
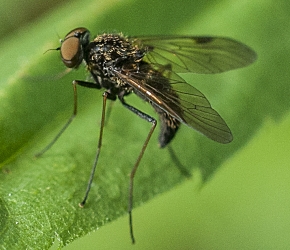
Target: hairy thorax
112	52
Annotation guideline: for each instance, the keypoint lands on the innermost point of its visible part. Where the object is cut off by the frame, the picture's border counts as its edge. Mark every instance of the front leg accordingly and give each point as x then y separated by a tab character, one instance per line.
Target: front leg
93	85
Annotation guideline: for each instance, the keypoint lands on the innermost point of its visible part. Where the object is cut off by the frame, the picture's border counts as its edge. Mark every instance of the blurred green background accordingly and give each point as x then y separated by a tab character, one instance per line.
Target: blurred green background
243	202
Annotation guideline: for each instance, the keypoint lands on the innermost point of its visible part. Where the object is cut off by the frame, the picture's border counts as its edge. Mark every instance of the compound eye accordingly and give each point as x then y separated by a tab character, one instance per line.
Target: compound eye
71	52
72	47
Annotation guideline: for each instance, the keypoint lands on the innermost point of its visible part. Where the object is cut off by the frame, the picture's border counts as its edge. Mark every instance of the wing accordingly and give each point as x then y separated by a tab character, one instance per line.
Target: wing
180	100
205	55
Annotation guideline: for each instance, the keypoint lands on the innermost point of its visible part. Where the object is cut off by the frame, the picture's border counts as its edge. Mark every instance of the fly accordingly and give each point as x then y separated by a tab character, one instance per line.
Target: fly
147	66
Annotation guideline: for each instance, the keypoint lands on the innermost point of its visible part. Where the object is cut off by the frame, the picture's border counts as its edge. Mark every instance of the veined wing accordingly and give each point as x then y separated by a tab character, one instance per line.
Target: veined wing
196	54
180	100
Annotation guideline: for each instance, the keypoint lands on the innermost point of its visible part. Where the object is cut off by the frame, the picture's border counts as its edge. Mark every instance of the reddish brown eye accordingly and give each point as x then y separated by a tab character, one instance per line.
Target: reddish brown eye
71	52
73	46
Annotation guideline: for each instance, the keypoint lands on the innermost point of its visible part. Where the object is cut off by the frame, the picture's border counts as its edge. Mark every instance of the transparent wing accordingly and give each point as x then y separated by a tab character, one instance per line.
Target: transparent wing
205	55
180	100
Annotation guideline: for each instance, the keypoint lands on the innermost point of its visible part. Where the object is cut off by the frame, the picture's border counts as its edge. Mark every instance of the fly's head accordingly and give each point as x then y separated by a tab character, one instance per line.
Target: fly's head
73	47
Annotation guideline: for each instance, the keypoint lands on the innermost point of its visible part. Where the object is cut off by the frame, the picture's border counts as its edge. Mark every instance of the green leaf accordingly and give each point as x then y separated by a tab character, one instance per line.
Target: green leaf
39	196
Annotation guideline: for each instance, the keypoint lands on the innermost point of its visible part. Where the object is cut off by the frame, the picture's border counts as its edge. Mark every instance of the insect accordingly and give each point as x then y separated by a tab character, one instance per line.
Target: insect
147	66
